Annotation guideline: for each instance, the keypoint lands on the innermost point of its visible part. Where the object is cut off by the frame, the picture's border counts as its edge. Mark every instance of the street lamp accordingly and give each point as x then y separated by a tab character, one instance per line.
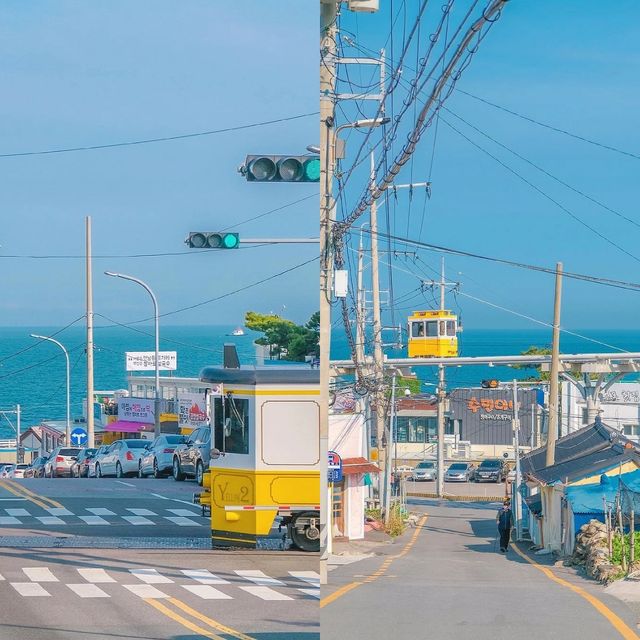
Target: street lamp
67	433
144	285
367	123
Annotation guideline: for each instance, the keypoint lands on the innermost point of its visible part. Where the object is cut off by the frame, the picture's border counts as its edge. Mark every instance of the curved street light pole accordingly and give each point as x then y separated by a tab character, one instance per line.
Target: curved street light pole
144	285
67	433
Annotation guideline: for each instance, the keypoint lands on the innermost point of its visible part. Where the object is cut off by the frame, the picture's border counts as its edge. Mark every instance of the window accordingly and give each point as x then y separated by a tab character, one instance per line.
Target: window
443	328
631	429
415	429
231	424
432	329
585	416
417	329
451	328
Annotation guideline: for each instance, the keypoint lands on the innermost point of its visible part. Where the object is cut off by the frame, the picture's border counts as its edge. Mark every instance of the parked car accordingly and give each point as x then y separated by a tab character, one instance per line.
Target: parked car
192	458
121	459
157	459
425	470
80	466
36	468
59	462
97	456
2	467
491	470
18	470
460	472
5	472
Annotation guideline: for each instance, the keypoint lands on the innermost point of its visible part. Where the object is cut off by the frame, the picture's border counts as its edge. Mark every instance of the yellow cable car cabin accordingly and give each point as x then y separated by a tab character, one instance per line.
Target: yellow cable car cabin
433	334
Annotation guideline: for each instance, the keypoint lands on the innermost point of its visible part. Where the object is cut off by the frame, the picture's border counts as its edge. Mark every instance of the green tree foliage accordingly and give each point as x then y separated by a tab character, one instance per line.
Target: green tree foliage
287	340
535	351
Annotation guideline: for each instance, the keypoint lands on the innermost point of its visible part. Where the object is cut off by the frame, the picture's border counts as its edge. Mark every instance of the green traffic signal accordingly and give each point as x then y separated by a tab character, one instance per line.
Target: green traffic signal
281	168
212	240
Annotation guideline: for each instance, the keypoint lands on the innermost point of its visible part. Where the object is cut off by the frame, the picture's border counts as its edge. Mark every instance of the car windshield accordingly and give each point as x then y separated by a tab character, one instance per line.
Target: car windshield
69	452
425	465
22	466
175	439
137	444
492	464
458	467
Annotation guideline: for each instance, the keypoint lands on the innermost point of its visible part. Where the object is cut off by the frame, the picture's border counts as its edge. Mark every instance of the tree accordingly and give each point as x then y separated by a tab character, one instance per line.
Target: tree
535	351
286	339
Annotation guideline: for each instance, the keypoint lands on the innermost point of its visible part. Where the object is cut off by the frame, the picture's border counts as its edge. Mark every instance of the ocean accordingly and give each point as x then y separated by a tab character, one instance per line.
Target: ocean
33	375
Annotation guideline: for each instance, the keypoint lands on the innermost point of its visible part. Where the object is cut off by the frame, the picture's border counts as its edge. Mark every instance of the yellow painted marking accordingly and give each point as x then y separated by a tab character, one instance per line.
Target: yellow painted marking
181	620
12	490
243	540
212	623
28	492
338	593
618	624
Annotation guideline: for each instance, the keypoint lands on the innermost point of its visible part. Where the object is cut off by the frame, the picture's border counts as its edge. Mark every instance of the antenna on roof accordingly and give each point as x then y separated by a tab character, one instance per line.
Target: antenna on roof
230	357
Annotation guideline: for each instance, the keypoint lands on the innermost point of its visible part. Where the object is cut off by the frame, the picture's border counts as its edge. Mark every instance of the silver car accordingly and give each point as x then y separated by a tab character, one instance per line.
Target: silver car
121	459
60	462
91	463
460	472
425	470
157	459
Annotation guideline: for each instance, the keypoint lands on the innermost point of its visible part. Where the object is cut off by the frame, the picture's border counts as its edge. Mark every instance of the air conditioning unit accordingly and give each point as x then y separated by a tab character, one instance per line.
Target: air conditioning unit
363	6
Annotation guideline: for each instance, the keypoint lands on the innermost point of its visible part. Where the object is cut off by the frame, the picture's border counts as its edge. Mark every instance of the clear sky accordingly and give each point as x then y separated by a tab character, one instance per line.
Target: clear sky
85	73
571	64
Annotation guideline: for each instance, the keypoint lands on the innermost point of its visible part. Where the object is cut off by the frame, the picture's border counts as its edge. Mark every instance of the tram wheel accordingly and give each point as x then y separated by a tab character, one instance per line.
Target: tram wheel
306	536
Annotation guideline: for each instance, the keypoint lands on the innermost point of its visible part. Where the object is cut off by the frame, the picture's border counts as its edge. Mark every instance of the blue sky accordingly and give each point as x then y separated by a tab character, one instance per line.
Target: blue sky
572	64
81	73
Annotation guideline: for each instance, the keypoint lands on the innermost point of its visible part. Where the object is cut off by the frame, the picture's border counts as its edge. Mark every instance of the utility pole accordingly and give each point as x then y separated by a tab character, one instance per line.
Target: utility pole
516	446
19	457
441	400
90	392
328	17
387	470
552	434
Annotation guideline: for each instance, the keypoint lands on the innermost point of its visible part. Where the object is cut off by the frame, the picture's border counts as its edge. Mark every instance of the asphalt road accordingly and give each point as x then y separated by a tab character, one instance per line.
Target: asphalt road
479	489
131	558
452	583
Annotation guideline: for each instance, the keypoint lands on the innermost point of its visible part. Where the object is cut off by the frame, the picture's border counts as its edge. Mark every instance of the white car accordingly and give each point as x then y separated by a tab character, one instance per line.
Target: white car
91	463
5	472
122	459
18	471
157	458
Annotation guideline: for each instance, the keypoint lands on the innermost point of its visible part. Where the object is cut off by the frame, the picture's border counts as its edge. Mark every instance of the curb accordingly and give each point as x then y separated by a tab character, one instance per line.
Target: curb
457	498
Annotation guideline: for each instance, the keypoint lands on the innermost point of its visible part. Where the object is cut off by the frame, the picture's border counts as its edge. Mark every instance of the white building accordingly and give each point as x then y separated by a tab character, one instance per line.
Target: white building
620	408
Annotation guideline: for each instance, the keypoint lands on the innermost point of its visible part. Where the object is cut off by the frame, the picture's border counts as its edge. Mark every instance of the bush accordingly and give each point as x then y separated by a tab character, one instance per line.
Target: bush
617	548
396	525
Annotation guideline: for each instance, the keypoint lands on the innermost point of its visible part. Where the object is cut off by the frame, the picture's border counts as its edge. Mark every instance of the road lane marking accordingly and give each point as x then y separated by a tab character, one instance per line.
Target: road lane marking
137	520
30	589
95	575
9	520
183	621
85	590
266	593
183	512
1	577
93	519
312	577
214	624
157	495
128	484
39	574
17	512
100	511
183	522
616	622
338	593
142	512
206	592
13	499
4	485
59	511
259	577
50	520
204	576
28	493
150	576
145	591
311	592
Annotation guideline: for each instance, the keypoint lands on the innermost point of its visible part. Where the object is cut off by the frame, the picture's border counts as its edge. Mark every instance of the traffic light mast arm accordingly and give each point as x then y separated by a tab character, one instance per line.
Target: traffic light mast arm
280	240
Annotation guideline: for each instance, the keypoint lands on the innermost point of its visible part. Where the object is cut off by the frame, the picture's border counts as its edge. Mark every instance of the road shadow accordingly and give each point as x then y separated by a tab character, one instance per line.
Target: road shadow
453	504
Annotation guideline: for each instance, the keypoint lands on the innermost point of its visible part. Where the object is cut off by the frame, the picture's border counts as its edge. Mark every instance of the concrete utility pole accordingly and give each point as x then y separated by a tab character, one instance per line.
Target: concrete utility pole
441	401
387	470
19	457
516	445
90	390
552	434
328	17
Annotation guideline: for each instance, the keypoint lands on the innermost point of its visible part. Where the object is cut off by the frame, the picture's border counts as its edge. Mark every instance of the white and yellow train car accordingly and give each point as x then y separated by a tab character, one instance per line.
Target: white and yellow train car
265	455
432	334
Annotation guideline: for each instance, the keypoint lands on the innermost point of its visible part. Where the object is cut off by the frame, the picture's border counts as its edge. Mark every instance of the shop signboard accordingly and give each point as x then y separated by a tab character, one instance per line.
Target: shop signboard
192	410
136	410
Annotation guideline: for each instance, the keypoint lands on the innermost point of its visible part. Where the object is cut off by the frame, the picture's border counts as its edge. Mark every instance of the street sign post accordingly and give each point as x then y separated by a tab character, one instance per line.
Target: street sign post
334	467
79	437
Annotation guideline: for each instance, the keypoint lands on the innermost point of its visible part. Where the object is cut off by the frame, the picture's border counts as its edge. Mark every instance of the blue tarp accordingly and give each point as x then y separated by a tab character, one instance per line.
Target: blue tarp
588	499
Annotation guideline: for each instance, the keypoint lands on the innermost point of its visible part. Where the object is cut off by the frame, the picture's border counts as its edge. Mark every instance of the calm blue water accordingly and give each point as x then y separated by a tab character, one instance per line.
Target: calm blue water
35	377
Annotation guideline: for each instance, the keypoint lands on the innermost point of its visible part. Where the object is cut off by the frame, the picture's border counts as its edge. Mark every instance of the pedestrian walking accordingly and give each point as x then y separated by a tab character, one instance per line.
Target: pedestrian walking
504	520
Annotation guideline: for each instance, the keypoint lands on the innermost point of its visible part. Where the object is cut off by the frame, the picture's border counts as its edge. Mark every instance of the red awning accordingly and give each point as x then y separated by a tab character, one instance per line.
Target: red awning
124	426
358	465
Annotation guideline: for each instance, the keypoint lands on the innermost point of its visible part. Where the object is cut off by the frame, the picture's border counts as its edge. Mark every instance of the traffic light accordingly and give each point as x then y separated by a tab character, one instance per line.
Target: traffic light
281	169
213	240
490	384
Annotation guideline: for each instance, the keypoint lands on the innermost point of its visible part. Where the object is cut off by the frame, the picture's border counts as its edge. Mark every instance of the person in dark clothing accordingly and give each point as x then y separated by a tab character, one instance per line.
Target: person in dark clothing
504	520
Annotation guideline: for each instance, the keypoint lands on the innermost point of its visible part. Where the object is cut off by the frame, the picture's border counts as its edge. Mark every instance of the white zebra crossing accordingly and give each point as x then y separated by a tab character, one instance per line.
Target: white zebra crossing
95	575
88	590
150	576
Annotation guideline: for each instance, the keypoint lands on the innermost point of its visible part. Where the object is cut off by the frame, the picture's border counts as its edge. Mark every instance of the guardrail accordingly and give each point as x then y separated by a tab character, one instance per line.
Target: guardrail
7	444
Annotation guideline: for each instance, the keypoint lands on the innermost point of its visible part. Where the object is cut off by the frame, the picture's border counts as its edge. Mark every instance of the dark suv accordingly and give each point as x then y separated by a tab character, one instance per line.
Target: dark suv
491	470
191	459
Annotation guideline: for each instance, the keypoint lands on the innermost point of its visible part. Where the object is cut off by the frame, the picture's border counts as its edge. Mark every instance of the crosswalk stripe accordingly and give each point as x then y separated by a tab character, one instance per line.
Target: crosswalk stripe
142	512
137	520
85	590
183	522
95	575
266	593
183	512
50	520
39	574
1	577
204	576
9	520
145	591
17	512
311	592
59	511
100	511
29	589
206	592
312	577
259	577
150	576
93	519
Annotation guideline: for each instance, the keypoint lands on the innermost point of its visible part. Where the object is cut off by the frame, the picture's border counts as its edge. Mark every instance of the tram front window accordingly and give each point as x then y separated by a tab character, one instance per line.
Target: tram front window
417	329
451	328
432	329
231	424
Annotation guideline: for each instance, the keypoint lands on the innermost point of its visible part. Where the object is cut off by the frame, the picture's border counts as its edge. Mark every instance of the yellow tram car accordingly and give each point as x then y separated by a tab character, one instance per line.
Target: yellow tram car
432	334
265	457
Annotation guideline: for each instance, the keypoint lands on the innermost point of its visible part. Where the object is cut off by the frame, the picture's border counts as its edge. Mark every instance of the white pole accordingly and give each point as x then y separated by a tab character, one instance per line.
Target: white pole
516	437
90	389
387	470
19	458
441	399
